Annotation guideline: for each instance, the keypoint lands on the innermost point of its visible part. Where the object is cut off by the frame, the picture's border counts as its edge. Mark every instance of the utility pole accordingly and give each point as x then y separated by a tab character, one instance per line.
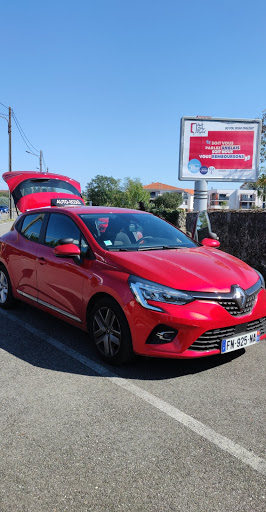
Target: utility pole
9	134
10	156
40	160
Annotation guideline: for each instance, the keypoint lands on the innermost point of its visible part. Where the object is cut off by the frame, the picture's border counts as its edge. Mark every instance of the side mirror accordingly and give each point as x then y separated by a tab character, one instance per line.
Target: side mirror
213	235
210	242
64	241
67	251
202	227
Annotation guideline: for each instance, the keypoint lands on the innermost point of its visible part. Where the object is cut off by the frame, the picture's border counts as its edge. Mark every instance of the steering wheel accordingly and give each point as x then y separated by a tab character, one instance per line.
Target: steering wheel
143	239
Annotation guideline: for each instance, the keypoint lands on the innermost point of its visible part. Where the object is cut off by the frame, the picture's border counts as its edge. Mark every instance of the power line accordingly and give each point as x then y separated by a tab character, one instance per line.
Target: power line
22	131
22	136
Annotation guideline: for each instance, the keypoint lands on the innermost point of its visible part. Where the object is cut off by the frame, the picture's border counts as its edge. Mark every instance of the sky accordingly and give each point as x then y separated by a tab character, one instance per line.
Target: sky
100	86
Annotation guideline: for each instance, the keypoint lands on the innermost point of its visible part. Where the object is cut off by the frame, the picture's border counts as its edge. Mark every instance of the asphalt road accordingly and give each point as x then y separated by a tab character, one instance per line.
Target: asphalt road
152	436
5	224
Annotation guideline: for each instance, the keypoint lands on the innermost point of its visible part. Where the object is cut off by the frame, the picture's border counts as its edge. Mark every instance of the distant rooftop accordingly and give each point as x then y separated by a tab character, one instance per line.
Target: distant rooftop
162	186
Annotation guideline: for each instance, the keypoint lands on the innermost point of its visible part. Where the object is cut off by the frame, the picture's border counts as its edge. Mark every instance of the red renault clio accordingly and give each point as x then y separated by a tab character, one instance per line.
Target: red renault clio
138	286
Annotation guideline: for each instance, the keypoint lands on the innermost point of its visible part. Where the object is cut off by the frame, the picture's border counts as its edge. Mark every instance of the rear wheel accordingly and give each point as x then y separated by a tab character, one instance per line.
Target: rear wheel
109	330
6	296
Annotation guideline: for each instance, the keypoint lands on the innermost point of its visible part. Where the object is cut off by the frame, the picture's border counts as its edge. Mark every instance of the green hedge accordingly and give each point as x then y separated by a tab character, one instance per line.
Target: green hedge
4	201
176	217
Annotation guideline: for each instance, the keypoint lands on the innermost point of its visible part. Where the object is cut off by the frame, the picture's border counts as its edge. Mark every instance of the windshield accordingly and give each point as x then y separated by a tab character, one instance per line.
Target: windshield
36	185
134	232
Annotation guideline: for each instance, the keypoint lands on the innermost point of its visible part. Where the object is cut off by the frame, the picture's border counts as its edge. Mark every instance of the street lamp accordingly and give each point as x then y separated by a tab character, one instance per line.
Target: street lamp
41	157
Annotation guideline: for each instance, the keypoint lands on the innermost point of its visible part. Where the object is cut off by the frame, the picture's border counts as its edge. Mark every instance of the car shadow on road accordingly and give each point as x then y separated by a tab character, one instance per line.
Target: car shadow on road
36	349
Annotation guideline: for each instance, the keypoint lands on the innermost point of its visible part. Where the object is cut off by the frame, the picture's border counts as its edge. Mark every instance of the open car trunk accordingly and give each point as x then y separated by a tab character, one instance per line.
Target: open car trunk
34	190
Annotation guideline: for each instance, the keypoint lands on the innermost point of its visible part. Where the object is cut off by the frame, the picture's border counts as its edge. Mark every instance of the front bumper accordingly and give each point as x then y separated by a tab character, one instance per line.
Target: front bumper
191	321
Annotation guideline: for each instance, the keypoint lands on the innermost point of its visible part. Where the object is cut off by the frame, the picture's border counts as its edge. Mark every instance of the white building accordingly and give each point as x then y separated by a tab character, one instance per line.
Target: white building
228	199
158	189
233	199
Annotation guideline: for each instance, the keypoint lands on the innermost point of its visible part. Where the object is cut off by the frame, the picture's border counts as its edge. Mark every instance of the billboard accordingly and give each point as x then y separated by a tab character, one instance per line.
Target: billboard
215	149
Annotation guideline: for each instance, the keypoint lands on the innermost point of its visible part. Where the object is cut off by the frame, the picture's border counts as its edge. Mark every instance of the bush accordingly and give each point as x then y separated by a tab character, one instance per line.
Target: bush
169	200
176	217
4	201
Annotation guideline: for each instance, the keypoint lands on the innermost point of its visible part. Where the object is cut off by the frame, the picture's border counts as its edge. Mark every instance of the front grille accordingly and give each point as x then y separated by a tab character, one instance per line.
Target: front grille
232	307
211	340
234	300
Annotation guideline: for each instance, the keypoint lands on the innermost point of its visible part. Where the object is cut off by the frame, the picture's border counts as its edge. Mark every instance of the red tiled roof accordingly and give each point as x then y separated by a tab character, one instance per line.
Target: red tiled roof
189	191
163	186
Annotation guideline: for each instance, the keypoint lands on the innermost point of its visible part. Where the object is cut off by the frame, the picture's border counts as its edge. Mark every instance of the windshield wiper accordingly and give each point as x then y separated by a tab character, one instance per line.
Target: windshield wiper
158	247
117	249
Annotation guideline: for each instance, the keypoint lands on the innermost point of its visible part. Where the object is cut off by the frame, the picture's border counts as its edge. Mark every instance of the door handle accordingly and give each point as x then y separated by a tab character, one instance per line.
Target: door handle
42	261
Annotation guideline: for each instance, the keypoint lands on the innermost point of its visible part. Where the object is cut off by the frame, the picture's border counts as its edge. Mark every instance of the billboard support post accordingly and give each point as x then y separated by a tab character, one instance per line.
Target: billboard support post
200	195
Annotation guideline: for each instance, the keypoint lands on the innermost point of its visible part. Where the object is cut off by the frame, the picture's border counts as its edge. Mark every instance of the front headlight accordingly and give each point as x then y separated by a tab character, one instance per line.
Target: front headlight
144	290
261	278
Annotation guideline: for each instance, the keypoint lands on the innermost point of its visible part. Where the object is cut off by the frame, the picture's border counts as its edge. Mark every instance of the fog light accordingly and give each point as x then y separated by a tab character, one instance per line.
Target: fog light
162	334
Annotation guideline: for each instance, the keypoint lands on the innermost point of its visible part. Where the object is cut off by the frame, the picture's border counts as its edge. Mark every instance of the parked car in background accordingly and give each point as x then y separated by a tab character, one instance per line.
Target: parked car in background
138	286
4	208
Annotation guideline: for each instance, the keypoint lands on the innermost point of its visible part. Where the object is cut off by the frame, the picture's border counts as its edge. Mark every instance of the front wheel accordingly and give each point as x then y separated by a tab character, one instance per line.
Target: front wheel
109	330
6	296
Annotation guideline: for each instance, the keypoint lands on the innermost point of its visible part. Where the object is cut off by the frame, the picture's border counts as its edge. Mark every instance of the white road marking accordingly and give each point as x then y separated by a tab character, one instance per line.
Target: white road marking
223	443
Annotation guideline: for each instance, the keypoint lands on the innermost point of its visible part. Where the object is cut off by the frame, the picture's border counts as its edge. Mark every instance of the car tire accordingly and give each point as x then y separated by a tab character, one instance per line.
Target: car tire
109	330
6	295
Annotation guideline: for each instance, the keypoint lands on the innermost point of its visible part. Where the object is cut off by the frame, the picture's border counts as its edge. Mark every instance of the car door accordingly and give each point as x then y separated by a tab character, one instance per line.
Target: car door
60	281
22	262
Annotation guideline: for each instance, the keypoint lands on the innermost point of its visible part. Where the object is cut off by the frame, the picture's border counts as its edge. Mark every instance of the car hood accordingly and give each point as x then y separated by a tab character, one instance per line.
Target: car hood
35	190
193	269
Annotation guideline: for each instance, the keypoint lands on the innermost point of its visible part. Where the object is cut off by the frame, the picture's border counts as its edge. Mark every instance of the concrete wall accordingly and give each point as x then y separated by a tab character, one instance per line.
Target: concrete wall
241	233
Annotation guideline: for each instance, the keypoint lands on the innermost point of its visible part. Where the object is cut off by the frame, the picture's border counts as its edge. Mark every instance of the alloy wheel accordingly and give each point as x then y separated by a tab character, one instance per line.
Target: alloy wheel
3	288
107	332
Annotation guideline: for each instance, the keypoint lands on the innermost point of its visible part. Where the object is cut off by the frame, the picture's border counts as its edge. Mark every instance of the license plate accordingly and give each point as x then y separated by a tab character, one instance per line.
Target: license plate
241	341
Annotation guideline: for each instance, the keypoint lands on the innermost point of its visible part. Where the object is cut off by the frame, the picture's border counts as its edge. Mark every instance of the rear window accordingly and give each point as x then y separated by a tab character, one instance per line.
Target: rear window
34	186
31	225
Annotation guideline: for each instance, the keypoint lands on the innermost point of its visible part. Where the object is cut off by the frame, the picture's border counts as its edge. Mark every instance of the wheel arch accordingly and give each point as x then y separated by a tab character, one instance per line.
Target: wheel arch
125	352
98	296
10	300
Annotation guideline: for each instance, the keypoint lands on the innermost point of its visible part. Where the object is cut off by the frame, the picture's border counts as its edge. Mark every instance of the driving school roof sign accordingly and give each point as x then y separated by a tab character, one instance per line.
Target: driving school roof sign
219	149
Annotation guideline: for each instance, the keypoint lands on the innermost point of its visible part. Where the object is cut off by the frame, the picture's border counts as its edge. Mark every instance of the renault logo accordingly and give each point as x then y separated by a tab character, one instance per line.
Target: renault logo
240	297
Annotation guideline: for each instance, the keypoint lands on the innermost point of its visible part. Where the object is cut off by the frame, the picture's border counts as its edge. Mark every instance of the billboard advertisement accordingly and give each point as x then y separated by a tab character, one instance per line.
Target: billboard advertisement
219	149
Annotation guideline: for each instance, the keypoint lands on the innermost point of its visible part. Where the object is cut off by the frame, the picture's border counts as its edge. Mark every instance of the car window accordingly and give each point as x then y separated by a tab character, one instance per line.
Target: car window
134	231
31	226
36	185
62	227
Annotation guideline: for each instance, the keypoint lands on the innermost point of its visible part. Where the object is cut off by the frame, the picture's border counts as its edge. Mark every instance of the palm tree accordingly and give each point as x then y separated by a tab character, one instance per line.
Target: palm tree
261	188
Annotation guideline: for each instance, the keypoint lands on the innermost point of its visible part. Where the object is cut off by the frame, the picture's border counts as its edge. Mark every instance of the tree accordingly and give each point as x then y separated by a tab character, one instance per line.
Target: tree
107	191
224	204
134	193
263	142
258	184
103	190
261	188
171	200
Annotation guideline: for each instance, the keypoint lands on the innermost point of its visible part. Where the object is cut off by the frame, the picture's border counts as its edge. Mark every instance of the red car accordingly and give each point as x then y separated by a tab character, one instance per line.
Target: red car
141	286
